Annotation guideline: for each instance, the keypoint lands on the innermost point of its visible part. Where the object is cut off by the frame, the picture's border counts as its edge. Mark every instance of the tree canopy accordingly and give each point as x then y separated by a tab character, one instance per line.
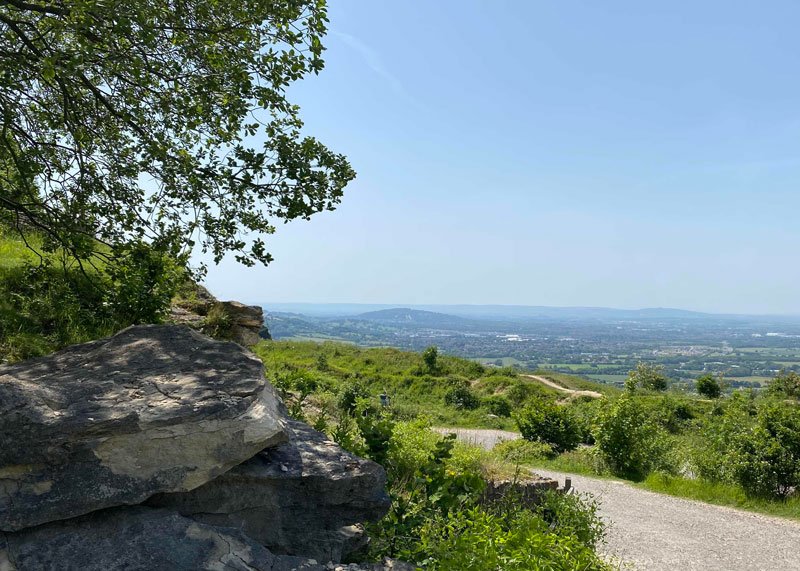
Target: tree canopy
163	122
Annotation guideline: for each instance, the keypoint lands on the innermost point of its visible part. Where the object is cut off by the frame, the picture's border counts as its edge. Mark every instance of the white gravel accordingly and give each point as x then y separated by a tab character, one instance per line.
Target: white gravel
655	532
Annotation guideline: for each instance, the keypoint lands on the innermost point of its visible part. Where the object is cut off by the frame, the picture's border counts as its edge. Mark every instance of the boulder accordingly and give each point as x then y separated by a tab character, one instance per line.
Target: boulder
143	539
246	321
138	538
300	498
112	422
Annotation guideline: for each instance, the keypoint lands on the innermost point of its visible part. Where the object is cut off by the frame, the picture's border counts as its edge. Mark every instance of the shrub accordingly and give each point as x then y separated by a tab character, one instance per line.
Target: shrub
727	420
671	414
430	357
349	396
461	397
518	540
648	377
497	405
785	384
708	386
548	422
766	459
522	451
629	441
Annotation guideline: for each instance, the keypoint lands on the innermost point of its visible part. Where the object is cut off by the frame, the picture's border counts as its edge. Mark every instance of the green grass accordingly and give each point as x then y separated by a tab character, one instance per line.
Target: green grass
14	253
414	389
608	379
719	494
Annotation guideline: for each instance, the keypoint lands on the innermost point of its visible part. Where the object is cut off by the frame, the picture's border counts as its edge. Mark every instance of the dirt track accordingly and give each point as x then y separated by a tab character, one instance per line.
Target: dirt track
556	386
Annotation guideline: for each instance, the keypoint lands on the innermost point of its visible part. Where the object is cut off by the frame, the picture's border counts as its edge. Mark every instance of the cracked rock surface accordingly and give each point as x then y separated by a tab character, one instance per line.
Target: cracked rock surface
302	497
144	539
155	408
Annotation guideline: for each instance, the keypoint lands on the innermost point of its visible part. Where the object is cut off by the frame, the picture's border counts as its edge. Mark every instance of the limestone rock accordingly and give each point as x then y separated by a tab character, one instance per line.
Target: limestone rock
143	539
138	539
246	322
299	498
111	422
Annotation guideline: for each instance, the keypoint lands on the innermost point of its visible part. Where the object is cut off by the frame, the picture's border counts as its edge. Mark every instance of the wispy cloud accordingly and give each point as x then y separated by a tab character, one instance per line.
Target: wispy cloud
373	61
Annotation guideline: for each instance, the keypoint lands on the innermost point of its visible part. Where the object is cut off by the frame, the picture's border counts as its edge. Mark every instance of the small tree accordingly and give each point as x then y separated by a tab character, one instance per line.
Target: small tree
766	458
630	442
785	384
430	357
708	386
548	422
647	376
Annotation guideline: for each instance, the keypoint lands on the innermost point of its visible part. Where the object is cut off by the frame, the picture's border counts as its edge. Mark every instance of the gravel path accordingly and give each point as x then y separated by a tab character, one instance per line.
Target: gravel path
655	532
479	437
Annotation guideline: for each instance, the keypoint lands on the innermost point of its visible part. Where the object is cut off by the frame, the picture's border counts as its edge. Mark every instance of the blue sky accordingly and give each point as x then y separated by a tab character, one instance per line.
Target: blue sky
622	154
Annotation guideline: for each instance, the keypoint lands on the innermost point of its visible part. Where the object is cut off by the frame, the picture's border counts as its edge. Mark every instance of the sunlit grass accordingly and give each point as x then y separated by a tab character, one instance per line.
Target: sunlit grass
720	494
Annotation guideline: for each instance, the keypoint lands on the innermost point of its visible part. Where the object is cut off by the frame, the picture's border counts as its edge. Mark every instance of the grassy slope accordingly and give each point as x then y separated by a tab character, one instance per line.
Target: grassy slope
414	390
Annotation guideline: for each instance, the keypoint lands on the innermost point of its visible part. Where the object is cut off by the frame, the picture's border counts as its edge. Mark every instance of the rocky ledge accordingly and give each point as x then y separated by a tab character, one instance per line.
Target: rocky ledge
160	448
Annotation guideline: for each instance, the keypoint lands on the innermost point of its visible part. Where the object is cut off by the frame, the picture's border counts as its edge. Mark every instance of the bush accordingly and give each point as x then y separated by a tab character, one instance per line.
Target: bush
522	451
629	441
785	384
517	540
708	386
648	377
462	397
548	422
350	395
497	405
727	420
430	357
766	459
671	414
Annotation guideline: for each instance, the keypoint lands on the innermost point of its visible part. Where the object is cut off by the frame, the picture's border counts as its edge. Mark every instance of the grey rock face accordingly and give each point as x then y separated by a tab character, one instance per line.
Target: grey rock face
299	498
111	422
246	322
143	539
138	539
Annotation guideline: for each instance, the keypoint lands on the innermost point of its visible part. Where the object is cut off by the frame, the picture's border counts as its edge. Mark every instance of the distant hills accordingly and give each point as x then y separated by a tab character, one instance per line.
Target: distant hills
415	317
429	313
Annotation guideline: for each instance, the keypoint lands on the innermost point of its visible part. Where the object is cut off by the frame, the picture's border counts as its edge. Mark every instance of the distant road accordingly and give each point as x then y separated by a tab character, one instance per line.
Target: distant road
556	386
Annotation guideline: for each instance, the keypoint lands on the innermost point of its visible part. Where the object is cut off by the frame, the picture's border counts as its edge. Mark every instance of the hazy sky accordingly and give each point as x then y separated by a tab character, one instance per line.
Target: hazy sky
623	154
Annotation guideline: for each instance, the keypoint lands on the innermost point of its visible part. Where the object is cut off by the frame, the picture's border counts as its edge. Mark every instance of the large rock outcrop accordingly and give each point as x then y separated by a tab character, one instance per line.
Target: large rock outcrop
152	409
143	539
231	320
300	498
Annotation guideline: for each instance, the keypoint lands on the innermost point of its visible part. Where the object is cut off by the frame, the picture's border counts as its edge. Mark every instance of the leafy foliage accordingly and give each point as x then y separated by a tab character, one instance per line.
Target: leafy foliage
523	451
550	423
628	439
98	96
430	357
46	305
785	384
708	386
647	376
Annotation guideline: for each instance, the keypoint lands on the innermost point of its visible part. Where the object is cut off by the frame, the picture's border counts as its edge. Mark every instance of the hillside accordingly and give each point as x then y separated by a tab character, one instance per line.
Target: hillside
414	317
454	392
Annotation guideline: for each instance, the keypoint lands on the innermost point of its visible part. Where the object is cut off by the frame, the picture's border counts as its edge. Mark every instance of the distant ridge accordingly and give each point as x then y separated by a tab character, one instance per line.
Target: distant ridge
408	316
388	312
